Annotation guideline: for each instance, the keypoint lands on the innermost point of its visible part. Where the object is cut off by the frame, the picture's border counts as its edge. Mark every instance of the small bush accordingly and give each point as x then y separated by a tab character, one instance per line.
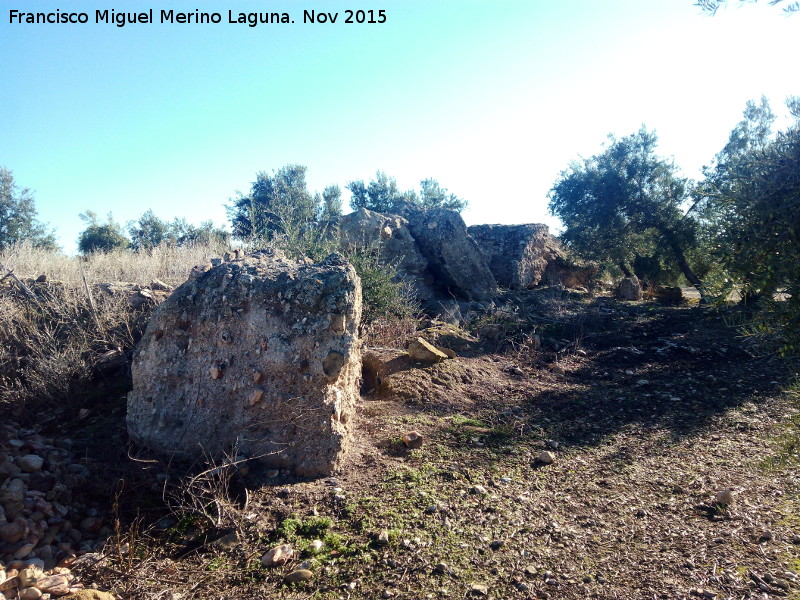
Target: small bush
386	298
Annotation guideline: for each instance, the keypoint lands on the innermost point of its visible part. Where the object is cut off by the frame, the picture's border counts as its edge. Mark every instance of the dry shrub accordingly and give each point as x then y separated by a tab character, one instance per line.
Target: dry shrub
390	332
52	345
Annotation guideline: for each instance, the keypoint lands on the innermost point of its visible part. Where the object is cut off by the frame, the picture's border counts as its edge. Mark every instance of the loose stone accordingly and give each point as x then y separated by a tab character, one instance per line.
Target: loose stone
30	463
546	457
279	555
299	575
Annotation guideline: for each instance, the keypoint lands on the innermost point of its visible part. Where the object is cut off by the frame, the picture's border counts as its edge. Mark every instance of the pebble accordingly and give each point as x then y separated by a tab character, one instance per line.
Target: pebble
383	538
30	576
30	593
413	439
725	497
30	463
477	589
546	457
24	550
478	490
315	546
299	575
279	555
55	585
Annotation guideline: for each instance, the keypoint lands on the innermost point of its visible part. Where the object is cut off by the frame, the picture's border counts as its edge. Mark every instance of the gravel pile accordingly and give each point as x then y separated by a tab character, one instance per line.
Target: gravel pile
45	526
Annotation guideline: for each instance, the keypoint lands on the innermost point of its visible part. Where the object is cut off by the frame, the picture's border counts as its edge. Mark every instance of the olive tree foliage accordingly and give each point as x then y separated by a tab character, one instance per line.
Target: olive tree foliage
278	204
382	195
149	231
624	204
280	211
18	216
99	236
330	203
750	199
712	6
432	195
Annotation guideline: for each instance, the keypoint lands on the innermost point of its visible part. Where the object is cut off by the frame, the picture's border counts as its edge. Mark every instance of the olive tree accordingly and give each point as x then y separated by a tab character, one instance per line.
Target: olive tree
624	202
18	216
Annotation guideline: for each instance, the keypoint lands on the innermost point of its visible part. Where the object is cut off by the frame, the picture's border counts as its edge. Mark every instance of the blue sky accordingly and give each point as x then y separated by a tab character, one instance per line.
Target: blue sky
492	98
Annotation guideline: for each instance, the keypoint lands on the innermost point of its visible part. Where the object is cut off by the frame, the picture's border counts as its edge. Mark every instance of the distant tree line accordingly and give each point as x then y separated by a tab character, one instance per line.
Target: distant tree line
18	217
280	204
143	234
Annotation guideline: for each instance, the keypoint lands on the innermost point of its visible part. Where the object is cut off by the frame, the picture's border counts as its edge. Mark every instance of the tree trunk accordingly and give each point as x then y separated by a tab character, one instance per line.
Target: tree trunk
683	264
625	270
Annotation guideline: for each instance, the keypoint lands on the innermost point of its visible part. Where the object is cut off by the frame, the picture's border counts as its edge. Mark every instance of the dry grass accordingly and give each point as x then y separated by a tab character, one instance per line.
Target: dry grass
53	345
171	264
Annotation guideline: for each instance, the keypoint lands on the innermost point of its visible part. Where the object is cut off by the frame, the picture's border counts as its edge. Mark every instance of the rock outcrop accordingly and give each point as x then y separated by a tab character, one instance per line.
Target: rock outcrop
390	236
517	254
630	288
455	262
257	358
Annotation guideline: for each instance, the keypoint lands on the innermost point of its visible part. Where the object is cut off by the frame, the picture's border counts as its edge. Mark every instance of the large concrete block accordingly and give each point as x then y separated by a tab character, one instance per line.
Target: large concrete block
259	357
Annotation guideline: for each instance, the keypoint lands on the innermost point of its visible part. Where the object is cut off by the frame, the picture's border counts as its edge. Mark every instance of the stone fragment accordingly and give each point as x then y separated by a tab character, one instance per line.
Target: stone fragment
395	245
382	539
629	288
279	555
315	546
24	550
517	254
477	589
12	532
724	497
446	335
299	576
55	585
12	493
546	457
255	397
91	525
421	351
227	542
30	576
455	261
11	582
261	314
413	439
30	593
30	463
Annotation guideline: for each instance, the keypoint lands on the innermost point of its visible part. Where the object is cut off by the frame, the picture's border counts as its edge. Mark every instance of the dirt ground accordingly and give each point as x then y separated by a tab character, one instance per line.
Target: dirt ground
647	411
